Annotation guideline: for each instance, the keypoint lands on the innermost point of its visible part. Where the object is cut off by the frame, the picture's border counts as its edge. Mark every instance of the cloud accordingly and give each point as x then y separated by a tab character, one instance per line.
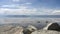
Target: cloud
28	3
10	6
25	11
15	0
2	10
56	12
21	11
16	5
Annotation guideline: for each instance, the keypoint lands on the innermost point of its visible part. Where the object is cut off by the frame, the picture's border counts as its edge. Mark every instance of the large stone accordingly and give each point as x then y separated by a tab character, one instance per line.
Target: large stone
29	29
52	26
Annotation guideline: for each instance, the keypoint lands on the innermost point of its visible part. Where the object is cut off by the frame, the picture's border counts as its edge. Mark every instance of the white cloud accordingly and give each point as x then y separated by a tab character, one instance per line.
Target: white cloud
15	0
16	5
25	10
2	10
28	3
33	11
20	11
56	12
10	6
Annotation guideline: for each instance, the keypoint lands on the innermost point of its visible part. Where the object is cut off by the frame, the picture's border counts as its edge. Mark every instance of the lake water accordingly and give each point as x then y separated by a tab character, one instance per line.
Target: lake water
25	21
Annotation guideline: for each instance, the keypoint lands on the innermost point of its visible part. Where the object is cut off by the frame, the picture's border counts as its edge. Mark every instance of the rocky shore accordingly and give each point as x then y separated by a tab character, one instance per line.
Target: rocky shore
51	28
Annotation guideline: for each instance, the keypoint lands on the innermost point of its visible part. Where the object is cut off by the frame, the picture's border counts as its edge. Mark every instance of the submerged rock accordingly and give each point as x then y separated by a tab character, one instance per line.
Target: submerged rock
52	26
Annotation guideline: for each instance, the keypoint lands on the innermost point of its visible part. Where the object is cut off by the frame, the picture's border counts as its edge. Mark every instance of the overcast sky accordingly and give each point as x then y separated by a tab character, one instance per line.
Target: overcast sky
30	7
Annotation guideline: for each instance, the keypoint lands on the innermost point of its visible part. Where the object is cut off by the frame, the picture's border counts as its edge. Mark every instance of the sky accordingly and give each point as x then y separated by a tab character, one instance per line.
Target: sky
29	7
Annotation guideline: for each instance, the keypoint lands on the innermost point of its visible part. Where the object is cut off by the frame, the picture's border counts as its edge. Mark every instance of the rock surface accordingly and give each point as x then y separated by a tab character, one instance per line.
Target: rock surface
12	30
45	32
29	29
52	26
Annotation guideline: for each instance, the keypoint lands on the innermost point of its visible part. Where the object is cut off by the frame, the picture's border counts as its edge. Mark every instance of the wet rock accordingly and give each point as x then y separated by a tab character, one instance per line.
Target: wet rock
52	26
38	21
29	29
47	21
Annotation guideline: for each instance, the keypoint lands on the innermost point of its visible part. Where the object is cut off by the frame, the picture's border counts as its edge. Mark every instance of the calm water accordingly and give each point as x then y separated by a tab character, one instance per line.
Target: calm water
25	21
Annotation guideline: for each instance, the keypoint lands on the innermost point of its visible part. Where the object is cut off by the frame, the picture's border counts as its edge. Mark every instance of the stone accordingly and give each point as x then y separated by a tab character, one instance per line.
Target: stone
29	29
52	26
